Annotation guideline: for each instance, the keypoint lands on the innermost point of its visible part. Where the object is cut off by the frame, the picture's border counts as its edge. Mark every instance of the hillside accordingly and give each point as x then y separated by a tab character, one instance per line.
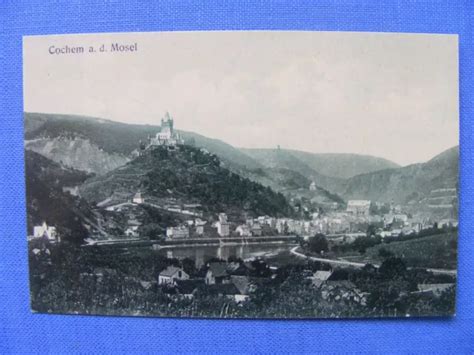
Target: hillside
189	175
335	165
291	184
77	153
98	145
109	136
284	159
343	165
229	155
46	200
436	251
411	183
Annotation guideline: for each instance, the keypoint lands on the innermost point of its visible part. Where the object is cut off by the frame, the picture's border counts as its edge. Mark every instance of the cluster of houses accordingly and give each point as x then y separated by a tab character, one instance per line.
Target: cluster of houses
356	219
335	290
229	280
45	231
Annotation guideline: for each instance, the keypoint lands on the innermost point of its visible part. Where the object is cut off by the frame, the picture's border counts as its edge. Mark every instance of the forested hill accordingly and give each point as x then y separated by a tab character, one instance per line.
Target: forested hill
410	183
190	175
47	202
325	168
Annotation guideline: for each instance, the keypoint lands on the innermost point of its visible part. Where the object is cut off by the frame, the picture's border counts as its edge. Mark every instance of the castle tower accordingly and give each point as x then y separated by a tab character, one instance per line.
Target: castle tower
167	136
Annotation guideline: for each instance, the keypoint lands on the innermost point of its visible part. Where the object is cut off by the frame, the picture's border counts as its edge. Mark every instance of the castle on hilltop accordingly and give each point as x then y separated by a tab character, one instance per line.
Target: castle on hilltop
167	135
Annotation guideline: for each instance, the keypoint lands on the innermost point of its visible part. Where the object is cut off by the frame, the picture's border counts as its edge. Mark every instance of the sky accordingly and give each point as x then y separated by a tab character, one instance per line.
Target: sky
389	95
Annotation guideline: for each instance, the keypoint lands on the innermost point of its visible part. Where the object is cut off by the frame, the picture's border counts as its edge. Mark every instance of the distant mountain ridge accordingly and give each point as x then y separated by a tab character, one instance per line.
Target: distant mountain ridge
410	183
121	139
343	165
338	165
284	159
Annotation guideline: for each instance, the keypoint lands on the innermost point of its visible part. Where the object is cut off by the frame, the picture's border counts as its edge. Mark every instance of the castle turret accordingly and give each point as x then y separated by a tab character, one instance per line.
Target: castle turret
167	136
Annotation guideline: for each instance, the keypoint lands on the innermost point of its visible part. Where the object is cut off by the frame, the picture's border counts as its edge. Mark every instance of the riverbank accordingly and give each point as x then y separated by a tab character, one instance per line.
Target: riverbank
160	244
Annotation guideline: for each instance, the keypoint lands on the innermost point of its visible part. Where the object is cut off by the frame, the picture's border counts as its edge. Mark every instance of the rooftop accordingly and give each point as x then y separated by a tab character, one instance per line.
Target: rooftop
170	271
358	203
218	269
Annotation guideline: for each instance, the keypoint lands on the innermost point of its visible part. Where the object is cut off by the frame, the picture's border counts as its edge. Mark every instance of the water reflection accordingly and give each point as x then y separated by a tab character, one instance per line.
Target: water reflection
200	254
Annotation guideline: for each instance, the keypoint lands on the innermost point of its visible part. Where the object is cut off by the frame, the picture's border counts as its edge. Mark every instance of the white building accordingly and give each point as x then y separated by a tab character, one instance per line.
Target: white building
312	186
132	231
172	273
199	225
243	230
223	225
138	199
358	208
46	231
180	232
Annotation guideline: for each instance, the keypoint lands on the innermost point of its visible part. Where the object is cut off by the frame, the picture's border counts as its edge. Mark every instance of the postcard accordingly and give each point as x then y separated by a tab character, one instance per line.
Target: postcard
251	174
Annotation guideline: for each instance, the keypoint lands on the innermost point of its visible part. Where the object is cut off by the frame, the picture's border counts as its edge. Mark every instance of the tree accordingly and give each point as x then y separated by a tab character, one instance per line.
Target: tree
392	267
371	230
318	243
385	254
188	266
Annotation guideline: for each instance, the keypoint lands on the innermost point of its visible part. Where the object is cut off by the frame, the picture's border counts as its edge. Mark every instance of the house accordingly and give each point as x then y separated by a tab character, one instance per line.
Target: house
132	231
72	190
180	232
236	268
172	273
199	226
358	208
384	234
282	226
395	220
188	288
256	230
447	222
343	291
312	186
138	199
217	274
396	232
243	286
223	225
237	290
319	277
243	230
227	290
46	231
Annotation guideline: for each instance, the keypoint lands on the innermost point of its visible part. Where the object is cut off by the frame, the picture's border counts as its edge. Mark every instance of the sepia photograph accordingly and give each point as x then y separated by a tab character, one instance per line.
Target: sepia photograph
242	174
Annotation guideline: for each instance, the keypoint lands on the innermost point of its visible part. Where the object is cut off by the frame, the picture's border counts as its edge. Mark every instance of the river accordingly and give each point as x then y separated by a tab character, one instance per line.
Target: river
278	253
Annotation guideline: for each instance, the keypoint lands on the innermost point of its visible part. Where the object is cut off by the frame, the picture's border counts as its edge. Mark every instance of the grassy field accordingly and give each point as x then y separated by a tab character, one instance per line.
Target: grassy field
436	251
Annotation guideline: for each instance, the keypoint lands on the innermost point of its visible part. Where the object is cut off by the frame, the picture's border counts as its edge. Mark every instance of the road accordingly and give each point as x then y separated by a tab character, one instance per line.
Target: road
359	265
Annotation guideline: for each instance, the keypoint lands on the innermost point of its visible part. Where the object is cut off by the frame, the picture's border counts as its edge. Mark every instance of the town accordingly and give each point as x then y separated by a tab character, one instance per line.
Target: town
336	221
